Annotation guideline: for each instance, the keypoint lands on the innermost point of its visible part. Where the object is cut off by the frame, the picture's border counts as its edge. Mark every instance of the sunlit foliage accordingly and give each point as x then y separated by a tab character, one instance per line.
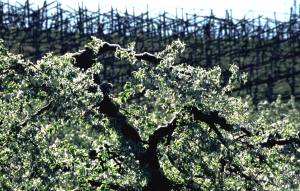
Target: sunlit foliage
53	137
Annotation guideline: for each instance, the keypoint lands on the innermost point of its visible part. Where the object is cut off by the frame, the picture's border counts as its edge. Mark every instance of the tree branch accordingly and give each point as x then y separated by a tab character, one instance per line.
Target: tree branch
161	132
86	58
148	159
210	118
148	57
274	142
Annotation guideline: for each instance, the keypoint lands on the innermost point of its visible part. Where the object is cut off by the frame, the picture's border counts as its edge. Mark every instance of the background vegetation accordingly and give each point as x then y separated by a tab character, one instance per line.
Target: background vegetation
266	48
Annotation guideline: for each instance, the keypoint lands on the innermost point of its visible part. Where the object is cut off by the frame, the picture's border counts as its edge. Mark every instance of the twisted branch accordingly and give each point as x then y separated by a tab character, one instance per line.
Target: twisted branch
86	58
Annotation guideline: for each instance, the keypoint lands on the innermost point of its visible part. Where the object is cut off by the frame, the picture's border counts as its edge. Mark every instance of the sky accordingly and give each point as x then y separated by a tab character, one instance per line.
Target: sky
240	8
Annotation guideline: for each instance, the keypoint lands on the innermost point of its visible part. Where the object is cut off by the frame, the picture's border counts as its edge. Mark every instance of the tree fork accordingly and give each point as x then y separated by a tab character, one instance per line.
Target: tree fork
147	158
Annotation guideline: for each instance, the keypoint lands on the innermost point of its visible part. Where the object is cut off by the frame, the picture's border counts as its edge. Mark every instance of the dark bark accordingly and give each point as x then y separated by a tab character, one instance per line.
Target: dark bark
86	58
149	158
210	118
157	180
271	142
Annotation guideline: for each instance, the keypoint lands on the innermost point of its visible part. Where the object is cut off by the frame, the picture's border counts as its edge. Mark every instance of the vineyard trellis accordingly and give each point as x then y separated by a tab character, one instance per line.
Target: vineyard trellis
267	49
